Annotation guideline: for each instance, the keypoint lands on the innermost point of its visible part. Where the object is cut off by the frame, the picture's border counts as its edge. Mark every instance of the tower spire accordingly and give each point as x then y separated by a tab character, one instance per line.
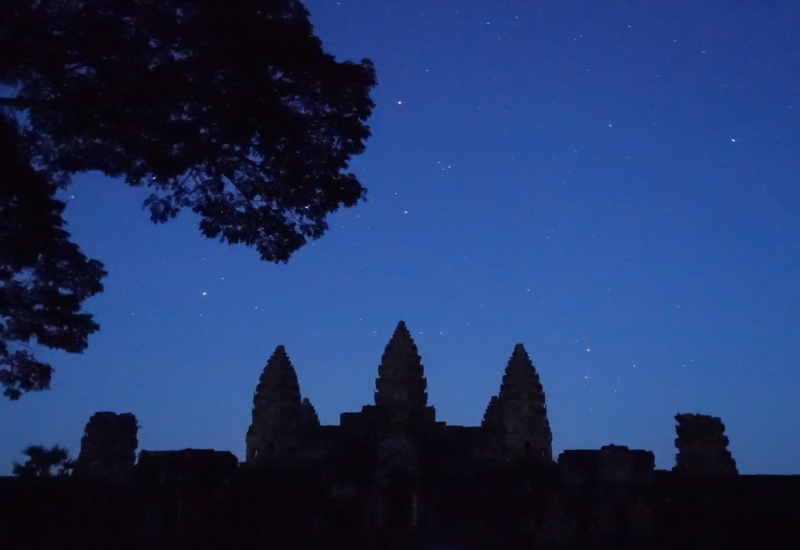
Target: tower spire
400	384
521	381
277	385
279	415
517	417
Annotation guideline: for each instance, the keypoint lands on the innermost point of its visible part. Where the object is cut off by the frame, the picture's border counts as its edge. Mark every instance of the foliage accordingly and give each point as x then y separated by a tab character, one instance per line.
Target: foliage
44	277
44	462
230	108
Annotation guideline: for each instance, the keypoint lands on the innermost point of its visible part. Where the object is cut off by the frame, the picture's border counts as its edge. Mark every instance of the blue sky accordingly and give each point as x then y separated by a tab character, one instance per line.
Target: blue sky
614	184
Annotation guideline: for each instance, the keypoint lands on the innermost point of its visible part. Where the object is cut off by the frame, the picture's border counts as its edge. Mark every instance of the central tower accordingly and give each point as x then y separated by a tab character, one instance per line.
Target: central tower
400	387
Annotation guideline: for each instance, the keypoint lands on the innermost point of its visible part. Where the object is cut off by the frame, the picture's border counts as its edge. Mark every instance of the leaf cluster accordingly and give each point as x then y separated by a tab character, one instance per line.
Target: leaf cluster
43	462
44	277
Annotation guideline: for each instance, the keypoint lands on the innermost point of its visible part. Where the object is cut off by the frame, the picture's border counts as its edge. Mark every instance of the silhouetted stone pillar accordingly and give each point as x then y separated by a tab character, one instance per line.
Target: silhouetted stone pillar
702	446
516	419
108	447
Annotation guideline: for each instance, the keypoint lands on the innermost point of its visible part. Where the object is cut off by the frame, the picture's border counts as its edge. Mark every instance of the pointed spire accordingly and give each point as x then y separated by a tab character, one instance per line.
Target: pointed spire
517	416
277	383
279	416
520	380
400	384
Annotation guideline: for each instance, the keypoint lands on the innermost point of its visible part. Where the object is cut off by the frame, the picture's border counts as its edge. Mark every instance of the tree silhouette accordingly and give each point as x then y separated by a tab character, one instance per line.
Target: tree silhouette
44	462
44	278
230	108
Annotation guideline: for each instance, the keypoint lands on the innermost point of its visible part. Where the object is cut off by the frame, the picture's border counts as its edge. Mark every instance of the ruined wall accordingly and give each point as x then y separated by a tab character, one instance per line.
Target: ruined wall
108	447
702	446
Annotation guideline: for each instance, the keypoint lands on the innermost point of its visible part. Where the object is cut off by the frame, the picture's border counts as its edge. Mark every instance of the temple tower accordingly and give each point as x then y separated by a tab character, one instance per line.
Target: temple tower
400	395
403	416
702	446
108	447
280	418
516	419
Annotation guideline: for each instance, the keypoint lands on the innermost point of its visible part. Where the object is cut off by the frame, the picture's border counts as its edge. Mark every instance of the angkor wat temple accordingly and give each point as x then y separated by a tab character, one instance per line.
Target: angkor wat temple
393	477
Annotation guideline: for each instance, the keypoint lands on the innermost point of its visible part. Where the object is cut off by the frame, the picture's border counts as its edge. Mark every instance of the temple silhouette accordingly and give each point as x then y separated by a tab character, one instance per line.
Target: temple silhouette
400	428
393	476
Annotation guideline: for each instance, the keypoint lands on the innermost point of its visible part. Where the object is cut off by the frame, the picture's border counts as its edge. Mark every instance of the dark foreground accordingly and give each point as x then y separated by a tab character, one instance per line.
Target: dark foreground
302	510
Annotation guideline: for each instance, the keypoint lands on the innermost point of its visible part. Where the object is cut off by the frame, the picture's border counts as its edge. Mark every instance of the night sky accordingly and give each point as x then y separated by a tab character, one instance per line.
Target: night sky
613	184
